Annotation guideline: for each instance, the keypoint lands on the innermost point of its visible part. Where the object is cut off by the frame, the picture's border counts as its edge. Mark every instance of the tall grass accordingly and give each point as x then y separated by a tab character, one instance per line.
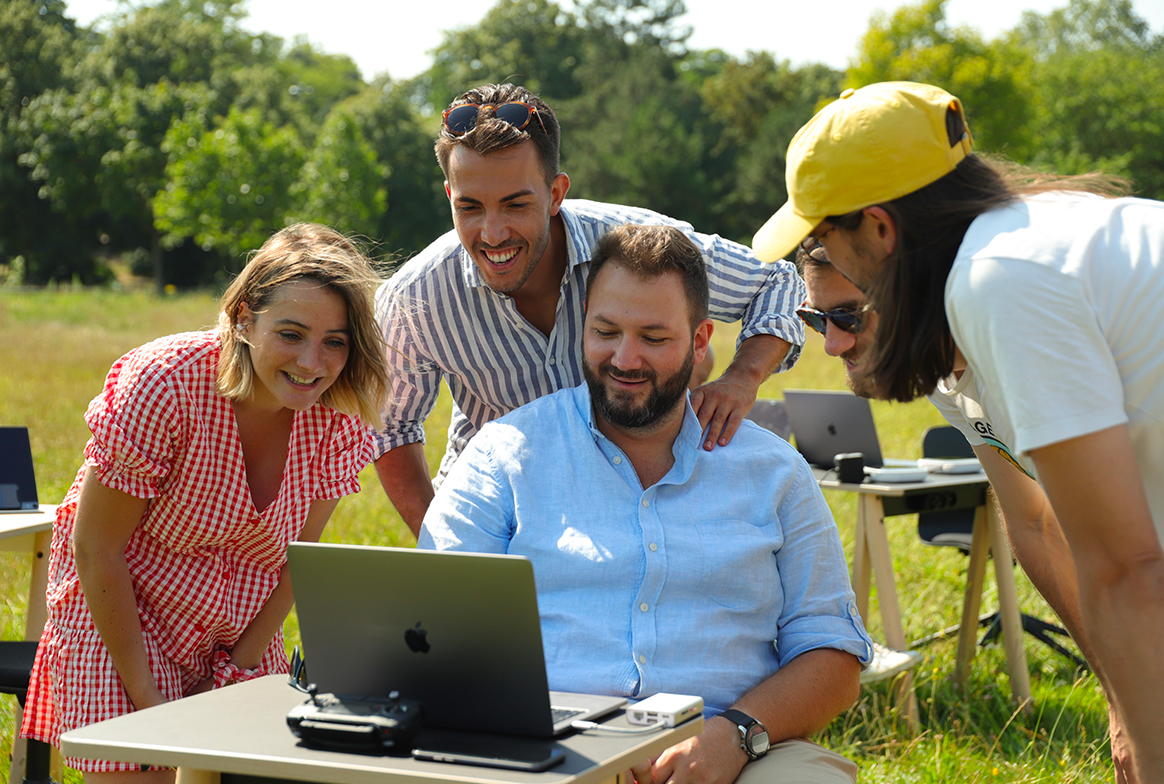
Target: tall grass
55	347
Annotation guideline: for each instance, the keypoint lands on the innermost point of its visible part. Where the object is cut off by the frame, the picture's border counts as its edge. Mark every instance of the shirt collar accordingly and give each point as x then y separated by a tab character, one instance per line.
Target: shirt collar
687	447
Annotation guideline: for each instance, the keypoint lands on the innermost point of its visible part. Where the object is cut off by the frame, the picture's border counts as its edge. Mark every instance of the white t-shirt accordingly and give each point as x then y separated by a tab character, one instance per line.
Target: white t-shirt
1056	303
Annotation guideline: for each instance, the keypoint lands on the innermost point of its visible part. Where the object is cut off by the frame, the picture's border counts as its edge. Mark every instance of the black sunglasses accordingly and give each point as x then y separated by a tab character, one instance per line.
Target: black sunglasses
845	319
459	120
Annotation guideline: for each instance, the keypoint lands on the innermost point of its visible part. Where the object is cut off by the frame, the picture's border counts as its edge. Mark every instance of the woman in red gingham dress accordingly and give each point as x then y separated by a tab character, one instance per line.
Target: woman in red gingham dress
211	452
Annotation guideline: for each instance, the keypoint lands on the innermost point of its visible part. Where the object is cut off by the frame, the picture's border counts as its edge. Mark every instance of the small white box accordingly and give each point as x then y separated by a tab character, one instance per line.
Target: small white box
670	709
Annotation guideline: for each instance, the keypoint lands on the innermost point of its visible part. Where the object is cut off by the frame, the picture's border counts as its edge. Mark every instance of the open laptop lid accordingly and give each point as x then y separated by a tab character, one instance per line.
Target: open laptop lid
459	632
17	479
829	423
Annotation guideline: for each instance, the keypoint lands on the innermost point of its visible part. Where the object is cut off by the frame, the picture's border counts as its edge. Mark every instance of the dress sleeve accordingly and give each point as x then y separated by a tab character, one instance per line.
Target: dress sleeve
344	457
137	426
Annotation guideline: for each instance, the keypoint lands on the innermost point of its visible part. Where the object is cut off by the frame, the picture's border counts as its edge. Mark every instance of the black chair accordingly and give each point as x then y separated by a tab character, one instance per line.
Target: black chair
955	529
16	659
771	414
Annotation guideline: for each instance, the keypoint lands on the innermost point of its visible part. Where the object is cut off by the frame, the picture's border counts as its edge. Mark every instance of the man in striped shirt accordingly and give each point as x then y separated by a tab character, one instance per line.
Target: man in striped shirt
495	307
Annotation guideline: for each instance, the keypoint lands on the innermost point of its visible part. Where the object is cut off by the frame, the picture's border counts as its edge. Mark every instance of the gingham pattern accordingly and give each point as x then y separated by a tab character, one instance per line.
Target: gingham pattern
203	559
442	321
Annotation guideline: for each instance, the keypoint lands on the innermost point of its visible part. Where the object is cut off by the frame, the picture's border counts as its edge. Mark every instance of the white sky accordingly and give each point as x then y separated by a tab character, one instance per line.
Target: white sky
397	35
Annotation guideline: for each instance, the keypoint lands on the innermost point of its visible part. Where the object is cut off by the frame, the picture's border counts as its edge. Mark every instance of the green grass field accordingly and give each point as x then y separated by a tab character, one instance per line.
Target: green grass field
55	347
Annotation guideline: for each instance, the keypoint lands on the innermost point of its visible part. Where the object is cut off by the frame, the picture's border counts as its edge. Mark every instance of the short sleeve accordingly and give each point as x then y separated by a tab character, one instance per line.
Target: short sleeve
137	426
343	458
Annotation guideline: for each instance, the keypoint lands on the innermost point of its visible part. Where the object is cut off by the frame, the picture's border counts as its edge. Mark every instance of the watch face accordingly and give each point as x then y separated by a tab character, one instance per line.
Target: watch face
757	739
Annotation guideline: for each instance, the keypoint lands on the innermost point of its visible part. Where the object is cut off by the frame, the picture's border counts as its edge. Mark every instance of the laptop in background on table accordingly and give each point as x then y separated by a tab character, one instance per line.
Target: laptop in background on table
458	632
829	423
17	479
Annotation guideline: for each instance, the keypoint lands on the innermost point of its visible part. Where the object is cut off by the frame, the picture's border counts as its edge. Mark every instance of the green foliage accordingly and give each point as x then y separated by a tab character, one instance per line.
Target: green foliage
417	207
227	185
917	44
530	42
1100	78
342	182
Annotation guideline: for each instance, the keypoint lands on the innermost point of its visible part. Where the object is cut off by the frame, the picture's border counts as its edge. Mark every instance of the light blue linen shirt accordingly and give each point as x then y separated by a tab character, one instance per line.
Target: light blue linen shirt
705	583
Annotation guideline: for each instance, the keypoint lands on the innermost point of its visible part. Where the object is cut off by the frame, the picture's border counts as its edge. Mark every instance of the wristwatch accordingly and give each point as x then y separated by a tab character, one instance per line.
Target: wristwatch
753	735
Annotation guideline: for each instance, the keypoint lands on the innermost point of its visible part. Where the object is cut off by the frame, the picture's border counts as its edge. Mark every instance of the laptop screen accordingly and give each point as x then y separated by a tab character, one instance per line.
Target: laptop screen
17	480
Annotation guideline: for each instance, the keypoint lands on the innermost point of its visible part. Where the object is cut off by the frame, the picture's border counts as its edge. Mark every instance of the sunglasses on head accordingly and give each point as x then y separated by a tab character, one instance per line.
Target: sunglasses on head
851	320
459	120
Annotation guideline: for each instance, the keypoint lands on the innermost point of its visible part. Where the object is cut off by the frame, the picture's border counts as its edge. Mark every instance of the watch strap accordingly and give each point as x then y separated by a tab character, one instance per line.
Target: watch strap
744	722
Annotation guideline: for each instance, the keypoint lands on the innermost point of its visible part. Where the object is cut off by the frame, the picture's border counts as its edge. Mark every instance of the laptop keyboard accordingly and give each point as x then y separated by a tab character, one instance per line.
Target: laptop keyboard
561	714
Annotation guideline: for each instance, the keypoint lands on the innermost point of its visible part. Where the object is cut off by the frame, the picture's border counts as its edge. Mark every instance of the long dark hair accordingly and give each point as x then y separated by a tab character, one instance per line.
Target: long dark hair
914	347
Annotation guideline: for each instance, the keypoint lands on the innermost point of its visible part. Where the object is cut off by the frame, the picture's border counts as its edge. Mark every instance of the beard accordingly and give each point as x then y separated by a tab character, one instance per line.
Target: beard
619	408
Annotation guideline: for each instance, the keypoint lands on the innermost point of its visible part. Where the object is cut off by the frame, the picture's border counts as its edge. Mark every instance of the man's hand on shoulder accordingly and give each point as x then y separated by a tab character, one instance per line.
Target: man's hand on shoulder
712	757
722	404
725	402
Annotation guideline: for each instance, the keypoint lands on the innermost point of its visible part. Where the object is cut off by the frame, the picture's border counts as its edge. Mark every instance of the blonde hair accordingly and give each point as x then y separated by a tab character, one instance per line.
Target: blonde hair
321	254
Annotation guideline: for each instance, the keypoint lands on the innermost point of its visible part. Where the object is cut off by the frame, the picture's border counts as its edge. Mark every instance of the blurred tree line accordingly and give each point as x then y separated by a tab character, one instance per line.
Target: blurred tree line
177	141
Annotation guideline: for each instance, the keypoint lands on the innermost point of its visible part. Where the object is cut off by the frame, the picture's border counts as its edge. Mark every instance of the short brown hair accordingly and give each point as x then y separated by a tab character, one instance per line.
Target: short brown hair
651	251
314	252
491	134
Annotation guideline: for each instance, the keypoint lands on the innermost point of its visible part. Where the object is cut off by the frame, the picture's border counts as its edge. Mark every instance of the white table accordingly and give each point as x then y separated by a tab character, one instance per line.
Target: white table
873	560
30	532
242	730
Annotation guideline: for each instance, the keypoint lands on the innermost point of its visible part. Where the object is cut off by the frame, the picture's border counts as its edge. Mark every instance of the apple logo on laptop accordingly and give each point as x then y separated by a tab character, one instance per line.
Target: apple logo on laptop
416	639
832	429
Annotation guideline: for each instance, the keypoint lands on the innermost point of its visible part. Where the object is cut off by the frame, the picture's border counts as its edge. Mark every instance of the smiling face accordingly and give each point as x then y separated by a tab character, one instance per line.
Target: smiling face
829	290
638	347
299	344
501	209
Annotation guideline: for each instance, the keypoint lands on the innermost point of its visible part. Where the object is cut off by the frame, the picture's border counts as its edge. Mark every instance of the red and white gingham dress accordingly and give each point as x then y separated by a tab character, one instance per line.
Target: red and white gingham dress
203	560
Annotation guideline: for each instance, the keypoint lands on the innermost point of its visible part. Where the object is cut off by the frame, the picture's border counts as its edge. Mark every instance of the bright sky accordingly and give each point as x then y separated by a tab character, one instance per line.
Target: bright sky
397	35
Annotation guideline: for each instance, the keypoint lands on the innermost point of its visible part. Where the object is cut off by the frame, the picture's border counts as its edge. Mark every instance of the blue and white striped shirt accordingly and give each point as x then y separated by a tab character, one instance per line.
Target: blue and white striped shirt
441	320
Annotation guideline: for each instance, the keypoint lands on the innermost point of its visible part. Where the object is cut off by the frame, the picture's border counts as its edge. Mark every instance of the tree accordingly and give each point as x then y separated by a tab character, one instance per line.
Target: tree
227	184
767	101
1099	74
39	47
534	43
992	80
417	207
342	182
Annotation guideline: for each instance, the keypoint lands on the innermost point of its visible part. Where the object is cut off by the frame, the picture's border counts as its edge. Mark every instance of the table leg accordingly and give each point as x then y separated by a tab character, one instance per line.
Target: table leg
197	776
972	603
873	513
1008	612
33	625
861	573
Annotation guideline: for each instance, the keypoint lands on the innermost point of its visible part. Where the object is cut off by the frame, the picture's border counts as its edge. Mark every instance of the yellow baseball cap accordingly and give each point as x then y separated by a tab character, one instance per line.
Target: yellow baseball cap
872	145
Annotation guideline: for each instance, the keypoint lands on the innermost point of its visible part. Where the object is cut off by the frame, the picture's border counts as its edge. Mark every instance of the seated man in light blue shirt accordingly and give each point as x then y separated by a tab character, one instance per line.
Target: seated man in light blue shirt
660	566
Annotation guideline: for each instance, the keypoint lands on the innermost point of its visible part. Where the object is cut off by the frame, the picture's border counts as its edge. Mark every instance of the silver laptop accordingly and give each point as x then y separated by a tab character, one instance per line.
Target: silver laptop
17	480
458	632
827	423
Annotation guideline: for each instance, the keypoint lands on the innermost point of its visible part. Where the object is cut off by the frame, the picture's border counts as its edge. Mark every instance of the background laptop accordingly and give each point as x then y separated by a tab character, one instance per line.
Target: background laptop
826	424
17	480
458	632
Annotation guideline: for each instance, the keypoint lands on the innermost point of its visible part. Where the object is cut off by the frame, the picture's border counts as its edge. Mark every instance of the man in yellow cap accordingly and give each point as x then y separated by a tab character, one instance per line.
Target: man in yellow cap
1026	306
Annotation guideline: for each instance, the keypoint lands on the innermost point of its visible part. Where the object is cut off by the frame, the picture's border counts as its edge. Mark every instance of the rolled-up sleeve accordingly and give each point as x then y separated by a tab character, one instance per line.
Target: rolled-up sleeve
820	610
763	297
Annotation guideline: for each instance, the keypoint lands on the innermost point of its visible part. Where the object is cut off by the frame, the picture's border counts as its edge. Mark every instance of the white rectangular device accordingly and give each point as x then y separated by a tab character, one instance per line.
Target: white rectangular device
669	709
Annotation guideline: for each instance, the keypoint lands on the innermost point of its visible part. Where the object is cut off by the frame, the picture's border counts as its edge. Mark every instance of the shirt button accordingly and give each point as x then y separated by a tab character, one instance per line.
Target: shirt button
642	660
552	360
646	503
617	460
653	546
644	607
